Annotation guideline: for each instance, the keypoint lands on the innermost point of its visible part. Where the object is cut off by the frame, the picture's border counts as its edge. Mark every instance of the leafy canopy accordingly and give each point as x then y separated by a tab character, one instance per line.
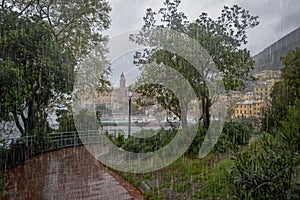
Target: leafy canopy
222	38
35	69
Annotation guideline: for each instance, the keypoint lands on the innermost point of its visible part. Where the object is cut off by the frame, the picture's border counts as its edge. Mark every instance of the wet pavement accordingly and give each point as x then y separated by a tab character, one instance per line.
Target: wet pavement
67	174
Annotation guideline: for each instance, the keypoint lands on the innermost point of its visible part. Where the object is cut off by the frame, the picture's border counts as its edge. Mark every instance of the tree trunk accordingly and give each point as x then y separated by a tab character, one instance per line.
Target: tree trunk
17	121
205	111
31	120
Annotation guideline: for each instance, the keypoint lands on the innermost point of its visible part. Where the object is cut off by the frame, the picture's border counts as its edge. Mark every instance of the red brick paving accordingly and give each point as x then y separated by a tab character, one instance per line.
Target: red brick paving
67	174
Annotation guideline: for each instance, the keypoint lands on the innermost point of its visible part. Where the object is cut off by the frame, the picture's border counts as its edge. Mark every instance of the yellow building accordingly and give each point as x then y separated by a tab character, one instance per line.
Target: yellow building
113	98
261	91
268	74
243	109
249	109
105	97
258	107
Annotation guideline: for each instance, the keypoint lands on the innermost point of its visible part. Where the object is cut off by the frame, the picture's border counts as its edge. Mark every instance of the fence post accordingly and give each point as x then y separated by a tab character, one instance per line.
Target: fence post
61	140
74	139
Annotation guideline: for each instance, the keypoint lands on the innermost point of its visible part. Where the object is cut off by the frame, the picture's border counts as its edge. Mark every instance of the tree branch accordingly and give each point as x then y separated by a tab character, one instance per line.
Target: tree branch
16	118
26	7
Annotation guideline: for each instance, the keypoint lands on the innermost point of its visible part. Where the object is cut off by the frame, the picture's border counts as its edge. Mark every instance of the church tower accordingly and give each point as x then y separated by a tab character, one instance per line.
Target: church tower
123	85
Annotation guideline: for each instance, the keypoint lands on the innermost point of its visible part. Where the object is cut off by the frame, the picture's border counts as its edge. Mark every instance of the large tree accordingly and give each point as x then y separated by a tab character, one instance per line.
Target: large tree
222	38
35	70
76	24
41	43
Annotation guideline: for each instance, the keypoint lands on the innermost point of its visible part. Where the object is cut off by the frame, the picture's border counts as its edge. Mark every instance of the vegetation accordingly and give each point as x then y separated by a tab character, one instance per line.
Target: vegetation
41	42
285	93
267	168
38	55
35	70
221	38
269	171
235	134
76	25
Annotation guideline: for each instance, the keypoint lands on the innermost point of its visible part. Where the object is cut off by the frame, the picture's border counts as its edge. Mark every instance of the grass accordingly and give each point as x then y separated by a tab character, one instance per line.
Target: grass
188	178
182	187
216	181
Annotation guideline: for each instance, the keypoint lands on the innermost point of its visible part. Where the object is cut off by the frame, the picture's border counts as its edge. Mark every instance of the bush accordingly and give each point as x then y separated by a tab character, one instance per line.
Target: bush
265	174
154	143
198	140
234	134
269	173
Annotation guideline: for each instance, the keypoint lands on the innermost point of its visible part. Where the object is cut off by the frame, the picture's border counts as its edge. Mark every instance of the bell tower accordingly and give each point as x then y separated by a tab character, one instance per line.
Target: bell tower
123	85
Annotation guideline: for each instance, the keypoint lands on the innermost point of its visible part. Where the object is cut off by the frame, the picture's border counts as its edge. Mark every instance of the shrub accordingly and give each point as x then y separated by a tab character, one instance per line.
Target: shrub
234	134
144	145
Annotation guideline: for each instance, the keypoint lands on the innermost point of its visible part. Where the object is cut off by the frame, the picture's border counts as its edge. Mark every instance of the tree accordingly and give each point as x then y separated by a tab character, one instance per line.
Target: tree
75	24
285	93
35	70
269	171
222	38
41	42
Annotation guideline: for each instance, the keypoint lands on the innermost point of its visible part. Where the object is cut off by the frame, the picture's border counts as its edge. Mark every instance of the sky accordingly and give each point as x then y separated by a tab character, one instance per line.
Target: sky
277	17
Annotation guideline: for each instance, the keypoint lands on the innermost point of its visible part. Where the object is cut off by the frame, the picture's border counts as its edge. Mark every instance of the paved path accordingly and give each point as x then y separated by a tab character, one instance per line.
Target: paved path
67	174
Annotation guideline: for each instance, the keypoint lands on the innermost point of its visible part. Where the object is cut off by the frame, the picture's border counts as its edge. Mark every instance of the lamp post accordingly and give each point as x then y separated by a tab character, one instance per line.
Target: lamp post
129	112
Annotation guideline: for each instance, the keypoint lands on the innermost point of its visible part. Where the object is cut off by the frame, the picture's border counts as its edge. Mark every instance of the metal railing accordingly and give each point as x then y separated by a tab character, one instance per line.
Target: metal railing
15	151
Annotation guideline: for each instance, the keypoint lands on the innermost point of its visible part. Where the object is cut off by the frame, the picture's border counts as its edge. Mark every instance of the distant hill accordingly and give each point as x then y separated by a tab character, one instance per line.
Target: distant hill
269	58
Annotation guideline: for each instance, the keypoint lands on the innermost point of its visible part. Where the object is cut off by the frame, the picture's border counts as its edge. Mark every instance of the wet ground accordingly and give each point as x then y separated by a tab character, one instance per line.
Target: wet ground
67	174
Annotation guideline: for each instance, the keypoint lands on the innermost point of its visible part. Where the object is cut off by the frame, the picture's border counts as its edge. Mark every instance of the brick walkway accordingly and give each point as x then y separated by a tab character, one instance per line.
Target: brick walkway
67	174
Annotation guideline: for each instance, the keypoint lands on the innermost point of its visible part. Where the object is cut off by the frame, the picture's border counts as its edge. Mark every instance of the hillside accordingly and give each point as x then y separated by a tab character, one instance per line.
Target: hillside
269	58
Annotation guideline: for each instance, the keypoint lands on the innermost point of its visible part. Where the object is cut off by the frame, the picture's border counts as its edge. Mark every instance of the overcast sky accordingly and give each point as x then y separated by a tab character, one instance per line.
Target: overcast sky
276	17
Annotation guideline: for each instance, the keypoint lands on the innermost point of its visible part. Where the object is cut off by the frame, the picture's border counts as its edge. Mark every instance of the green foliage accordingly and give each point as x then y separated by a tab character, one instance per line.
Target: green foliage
234	134
36	69
75	24
2	180
131	179
198	140
290	128
40	43
268	171
154	143
285	93
182	187
221	38
119	140
263	175
149	195
216	181
65	120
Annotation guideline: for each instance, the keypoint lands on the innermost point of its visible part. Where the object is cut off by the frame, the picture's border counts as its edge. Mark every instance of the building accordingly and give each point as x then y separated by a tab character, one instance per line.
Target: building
250	105
244	109
113	100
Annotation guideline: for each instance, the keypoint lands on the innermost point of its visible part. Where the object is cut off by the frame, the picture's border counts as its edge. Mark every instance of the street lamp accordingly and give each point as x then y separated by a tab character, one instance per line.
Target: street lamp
129	112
